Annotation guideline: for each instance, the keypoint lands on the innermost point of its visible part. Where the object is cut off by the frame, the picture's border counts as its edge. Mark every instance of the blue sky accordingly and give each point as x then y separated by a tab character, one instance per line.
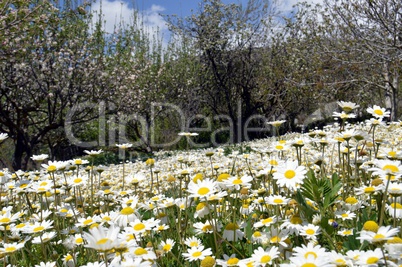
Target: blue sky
116	10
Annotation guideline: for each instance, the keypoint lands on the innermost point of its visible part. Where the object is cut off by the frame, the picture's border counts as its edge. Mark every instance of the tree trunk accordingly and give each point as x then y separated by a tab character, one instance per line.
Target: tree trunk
18	152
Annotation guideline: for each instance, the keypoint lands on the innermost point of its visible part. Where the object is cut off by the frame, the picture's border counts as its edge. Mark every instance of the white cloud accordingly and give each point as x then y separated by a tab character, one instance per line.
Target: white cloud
287	5
116	12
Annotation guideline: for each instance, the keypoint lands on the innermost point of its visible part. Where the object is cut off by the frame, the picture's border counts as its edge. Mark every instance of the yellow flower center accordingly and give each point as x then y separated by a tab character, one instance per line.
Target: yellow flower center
200	206
51	168
38	229
127	211
378	112
5	220
223	176
140	251
279	147
273	162
392	154
369	190
79	240
265	259
371	226
89	221
197	254
139	226
237	181
310	232
257	234
275	239
233	261
351	200
102	241
207	228
372	260
10	249
194	244
167	247
278	201
266	221
310	253
309	265
296	220
203	191
396	205
289	174
341	262
231	227
208	261
378	236
77	180
68	257
391	168
347	232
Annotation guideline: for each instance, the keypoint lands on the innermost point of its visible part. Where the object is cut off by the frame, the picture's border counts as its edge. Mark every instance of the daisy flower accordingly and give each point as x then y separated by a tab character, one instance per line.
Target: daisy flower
345	232
232	232
93	152
343	115
47	264
202	189
44	238
228	261
125	216
378	112
347	106
139	227
395	210
201	210
38	227
40	157
310	260
290	175
238	182
309	251
102	239
395	189
192	242
197	253
205	228
265	222
10	248
371	258
277	200
276	123
124	146
310	231
94	264
293	225
277	236
383	234
339	259
167	245
386	167
345	215
263	257
259	237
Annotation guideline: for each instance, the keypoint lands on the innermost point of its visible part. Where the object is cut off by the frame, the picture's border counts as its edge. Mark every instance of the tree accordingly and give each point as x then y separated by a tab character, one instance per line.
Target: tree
47	69
228	40
371	30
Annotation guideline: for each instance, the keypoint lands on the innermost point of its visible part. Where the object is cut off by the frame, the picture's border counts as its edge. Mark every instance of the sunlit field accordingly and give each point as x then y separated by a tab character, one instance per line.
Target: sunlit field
329	197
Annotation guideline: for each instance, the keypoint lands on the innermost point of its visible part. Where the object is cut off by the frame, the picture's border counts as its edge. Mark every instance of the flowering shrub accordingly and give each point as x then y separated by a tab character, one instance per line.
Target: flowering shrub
329	197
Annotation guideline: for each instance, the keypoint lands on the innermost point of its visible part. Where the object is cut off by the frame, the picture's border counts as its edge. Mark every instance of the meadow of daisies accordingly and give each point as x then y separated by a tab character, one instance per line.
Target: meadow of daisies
329	197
